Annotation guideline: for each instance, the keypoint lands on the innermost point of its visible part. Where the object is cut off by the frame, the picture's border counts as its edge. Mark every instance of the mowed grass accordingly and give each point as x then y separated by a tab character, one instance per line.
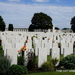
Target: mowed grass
48	58
53	73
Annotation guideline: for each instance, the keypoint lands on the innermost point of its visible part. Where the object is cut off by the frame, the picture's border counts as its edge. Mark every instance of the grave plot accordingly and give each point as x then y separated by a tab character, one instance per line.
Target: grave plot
41	45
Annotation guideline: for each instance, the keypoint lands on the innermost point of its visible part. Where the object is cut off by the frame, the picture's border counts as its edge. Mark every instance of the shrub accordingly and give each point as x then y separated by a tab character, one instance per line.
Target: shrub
48	66
1	48
20	60
31	65
25	70
54	61
1	53
68	62
4	65
31	61
17	70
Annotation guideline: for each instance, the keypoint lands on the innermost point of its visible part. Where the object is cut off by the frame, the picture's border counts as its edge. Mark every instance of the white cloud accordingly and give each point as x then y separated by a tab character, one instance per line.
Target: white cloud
14	0
21	14
41	0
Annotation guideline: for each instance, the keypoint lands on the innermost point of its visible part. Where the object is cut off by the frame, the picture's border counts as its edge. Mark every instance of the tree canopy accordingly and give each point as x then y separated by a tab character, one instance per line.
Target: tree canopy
57	28
31	28
73	24
41	21
65	28
10	27
2	24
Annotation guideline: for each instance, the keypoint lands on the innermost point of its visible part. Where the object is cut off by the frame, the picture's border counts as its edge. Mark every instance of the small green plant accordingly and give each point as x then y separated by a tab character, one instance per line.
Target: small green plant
1	48
31	62
59	45
4	65
1	53
54	61
17	70
47	66
31	65
68	62
20	60
33	37
25	70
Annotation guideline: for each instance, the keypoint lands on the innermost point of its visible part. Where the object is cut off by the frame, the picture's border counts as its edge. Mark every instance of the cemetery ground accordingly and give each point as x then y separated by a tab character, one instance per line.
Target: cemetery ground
40	54
39	71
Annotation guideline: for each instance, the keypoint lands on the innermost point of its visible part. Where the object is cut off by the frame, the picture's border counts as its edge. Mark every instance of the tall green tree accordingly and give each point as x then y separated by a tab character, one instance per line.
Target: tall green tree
10	27
57	28
73	24
41	21
2	24
31	28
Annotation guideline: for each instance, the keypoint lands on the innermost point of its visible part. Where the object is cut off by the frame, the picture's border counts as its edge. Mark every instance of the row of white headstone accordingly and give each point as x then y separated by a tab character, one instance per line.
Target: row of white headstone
44	44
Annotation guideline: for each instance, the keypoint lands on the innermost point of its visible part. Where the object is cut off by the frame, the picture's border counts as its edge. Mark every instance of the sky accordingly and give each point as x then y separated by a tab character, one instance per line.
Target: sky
20	12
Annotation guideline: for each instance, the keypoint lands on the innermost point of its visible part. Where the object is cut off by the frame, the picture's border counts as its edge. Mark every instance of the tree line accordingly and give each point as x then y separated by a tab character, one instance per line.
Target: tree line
3	25
38	21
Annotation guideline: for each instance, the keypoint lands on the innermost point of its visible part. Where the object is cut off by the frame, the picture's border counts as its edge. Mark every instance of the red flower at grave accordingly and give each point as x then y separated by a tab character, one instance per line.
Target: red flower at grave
23	48
58	45
18	51
48	38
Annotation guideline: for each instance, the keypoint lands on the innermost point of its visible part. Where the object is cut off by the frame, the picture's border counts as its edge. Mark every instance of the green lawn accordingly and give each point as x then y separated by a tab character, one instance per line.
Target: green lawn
53	73
61	57
48	58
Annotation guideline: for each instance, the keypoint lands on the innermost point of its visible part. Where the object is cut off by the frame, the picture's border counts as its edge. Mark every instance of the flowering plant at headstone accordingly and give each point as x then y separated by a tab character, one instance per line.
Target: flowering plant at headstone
48	38
21	57
22	50
59	45
18	51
